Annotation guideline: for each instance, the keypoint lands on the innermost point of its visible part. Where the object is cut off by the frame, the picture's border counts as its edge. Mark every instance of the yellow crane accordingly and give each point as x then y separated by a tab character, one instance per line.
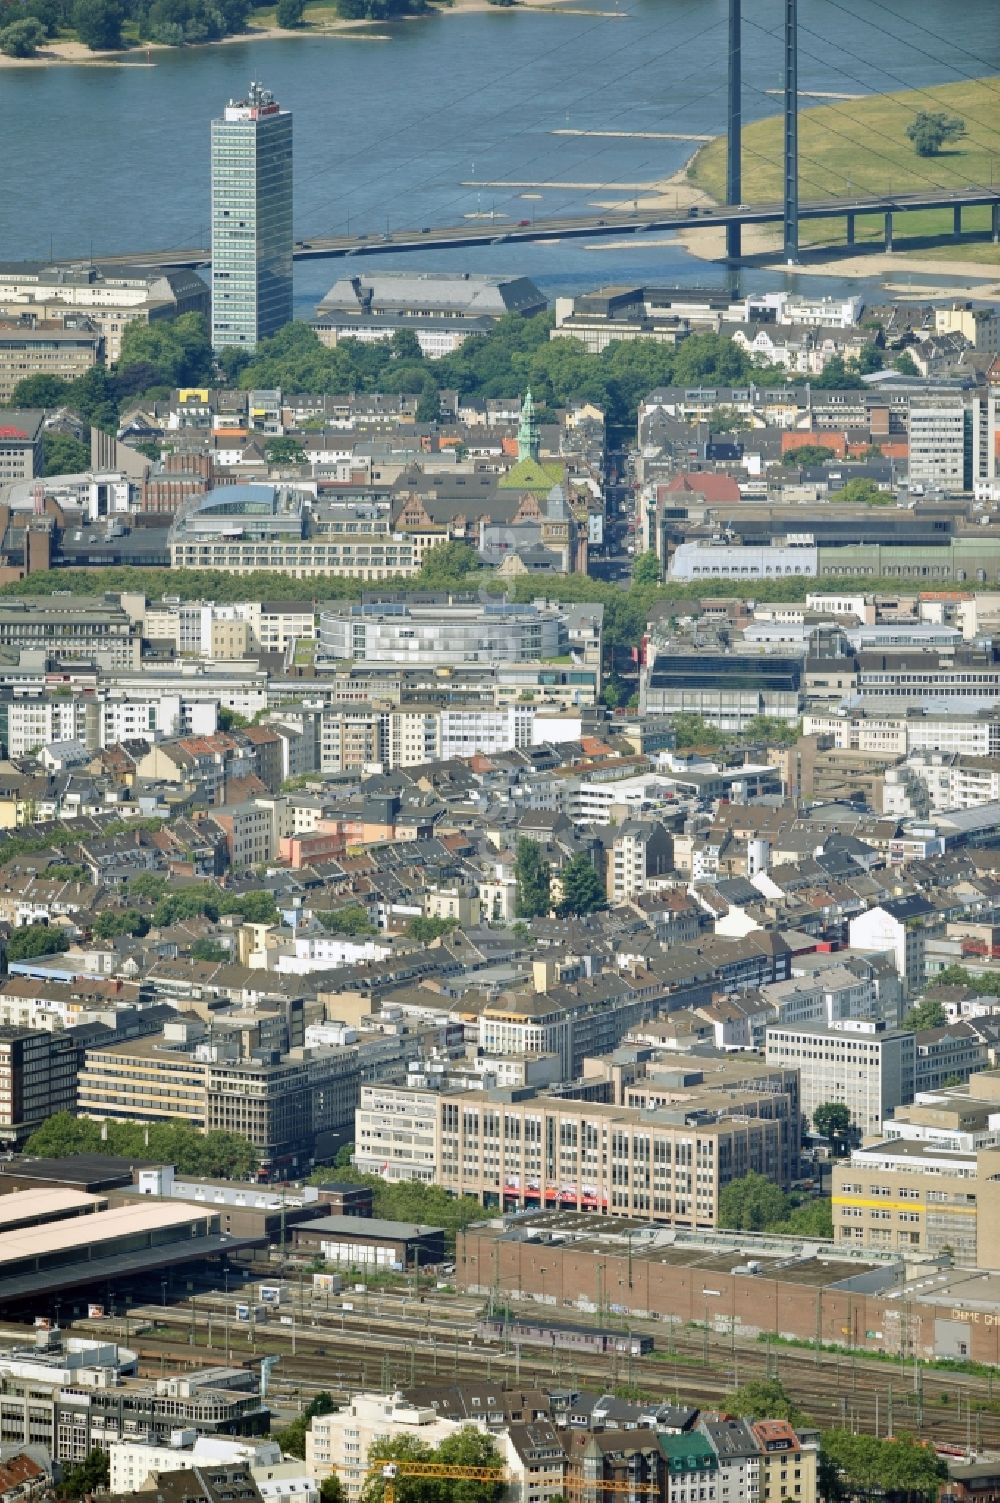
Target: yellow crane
392	1471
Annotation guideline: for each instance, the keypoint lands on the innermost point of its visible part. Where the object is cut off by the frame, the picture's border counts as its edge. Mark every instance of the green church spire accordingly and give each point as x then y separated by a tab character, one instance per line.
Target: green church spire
528	442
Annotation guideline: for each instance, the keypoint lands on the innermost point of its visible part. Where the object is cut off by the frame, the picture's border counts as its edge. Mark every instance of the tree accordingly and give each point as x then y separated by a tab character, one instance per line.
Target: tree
91	1475
533	877
424	930
926	1014
352	921
292	1439
231	720
222	1155
932	129
22	38
861	492
814	1218
752	1203
764	1398
110	924
582	891
98	24
208	949
289	15
833	1120
40	391
331	1489
808	454
468	1447
694	730
448	565
168	352
770	729
34	940
646	569
64	454
285	450
899	1467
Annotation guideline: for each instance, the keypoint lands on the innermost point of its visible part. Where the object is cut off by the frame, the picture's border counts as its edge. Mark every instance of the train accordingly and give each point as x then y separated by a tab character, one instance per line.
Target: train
562	1336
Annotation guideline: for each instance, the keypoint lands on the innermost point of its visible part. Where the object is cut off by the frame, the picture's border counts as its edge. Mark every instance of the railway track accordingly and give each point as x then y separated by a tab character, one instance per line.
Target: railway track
342	1351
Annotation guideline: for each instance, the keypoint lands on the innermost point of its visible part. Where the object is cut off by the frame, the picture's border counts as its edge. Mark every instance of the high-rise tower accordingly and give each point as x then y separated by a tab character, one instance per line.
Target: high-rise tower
251	220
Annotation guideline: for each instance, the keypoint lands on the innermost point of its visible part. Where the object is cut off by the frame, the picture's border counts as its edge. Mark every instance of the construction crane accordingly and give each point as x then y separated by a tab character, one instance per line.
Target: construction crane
576	1485
392	1471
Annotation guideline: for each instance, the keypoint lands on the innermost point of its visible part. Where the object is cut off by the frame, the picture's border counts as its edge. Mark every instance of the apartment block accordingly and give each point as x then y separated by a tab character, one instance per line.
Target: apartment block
867	1066
788	1466
337	1444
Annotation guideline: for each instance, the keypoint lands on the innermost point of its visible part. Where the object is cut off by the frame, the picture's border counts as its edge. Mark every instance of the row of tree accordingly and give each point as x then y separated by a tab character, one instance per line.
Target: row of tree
108	25
516	353
755	1203
581	890
224	1155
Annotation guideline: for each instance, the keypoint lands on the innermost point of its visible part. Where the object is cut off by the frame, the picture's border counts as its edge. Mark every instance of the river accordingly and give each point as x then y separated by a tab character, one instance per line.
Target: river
391	125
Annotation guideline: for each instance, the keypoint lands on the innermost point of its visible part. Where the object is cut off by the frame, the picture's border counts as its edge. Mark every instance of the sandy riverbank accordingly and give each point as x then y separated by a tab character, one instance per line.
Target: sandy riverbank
913	276
75	54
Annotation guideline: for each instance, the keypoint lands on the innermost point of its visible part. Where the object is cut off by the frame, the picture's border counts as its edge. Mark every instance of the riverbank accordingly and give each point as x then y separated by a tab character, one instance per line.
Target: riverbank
325	23
838	159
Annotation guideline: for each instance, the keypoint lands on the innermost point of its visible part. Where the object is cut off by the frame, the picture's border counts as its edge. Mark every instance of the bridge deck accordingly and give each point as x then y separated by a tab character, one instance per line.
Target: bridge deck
609	222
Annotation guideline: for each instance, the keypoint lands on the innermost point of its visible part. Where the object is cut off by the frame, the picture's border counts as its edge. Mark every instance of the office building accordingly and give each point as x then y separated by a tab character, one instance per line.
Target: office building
244	529
37	1079
20	445
64	347
71	626
251	220
84	1393
940	443
110	297
865	1065
664	1160
440	309
917	1197
396	632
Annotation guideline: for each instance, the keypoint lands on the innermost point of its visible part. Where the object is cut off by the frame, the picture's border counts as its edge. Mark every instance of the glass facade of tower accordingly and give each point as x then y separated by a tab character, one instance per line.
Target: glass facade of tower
251	220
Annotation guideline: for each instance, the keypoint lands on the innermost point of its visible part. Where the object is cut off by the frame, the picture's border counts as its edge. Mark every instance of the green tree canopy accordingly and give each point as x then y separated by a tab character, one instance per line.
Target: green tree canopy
351	921
91	1475
65	455
468	1447
98	24
752	1203
764	1398
281	450
900	1467
694	730
928	1013
33	940
931	130
448	566
224	1155
646	569
582	889
424	930
533	879
809	454
833	1121
22	38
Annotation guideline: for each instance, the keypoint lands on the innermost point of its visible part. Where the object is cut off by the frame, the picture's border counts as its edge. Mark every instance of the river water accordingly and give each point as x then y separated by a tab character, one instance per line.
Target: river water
391	126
